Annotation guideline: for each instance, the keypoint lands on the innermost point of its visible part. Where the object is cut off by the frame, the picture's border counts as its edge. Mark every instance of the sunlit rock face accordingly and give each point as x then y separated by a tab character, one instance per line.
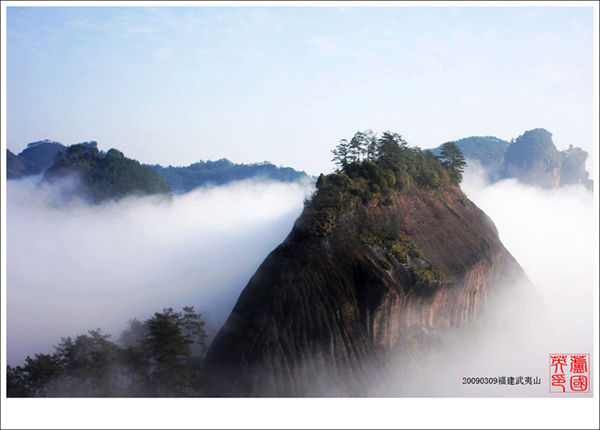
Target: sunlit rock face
338	315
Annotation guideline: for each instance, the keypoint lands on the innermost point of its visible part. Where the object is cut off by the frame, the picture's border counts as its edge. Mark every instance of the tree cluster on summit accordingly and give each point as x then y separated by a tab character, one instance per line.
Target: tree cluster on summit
372	168
390	152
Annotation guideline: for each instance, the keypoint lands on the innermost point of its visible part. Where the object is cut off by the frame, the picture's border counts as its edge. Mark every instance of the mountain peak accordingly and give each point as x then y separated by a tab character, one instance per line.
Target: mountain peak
366	272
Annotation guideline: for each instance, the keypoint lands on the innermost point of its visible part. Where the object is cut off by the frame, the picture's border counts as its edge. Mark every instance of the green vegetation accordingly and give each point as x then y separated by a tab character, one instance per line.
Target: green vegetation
160	357
105	176
223	171
33	160
531	146
385	264
389	163
389	201
398	251
371	169
452	211
464	200
488	150
415	253
383	238
371	261
453	161
402	249
427	274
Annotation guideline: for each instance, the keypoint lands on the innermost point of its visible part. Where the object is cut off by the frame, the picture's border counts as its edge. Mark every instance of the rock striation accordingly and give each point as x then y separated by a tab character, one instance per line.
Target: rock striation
337	315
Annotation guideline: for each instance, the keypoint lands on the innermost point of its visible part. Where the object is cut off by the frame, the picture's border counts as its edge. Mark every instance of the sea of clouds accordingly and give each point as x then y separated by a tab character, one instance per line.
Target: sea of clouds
73	267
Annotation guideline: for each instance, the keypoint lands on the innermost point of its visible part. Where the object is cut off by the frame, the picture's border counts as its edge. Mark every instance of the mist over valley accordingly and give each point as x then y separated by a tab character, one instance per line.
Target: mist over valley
74	266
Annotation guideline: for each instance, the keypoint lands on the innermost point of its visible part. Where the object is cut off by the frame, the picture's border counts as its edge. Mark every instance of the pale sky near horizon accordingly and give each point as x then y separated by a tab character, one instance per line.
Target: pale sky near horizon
173	85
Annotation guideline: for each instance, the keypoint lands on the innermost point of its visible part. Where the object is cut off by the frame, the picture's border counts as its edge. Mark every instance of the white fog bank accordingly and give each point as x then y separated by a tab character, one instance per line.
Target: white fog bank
74	267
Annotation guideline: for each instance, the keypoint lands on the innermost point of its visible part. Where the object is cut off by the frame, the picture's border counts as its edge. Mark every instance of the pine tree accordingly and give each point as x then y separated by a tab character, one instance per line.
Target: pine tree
452	159
341	154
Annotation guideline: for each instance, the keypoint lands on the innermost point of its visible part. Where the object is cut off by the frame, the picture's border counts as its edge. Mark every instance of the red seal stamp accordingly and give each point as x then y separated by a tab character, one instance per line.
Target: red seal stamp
569	373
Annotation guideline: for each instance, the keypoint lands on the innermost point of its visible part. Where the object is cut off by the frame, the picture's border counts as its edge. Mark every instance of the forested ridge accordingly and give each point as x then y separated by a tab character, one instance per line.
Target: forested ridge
104	176
160	357
223	171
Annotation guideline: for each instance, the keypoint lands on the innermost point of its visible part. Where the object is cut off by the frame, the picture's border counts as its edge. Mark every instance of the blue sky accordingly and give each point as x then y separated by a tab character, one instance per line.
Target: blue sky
285	84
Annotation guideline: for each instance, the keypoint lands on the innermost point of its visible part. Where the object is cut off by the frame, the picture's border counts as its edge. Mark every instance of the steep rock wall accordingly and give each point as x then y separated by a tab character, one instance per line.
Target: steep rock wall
332	316
544	173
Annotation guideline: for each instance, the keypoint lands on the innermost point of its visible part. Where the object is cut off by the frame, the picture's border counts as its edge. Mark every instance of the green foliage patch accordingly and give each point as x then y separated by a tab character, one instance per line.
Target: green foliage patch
106	176
160	357
427	274
371	261
385	264
486	149
401	249
373	168
533	145
397	251
223	171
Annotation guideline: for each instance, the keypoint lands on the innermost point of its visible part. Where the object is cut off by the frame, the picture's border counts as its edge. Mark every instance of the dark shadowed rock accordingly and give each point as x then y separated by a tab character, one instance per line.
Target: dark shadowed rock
338	315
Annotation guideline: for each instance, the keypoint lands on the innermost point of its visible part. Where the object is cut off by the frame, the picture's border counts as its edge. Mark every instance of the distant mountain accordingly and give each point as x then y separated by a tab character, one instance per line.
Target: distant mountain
488	150
14	165
105	176
532	158
33	160
223	171
39	156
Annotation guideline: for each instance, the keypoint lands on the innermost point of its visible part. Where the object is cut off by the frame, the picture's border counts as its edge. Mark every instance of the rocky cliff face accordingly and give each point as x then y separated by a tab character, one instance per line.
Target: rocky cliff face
338	315
545	173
